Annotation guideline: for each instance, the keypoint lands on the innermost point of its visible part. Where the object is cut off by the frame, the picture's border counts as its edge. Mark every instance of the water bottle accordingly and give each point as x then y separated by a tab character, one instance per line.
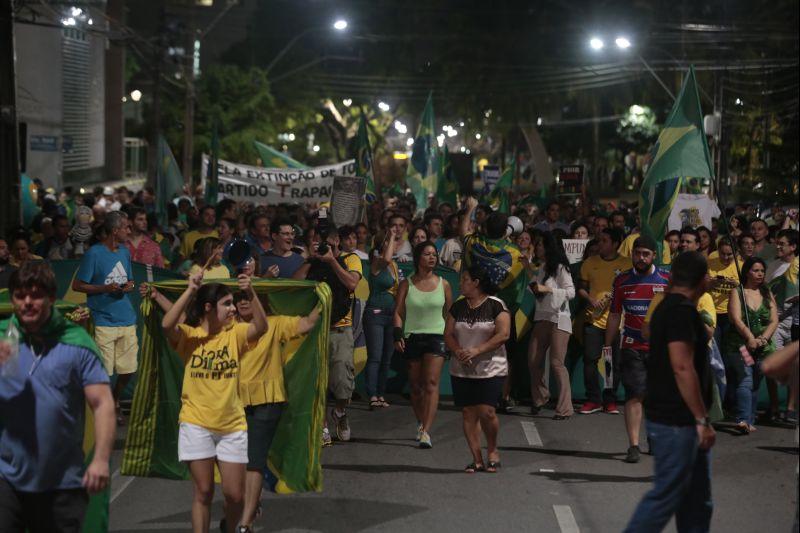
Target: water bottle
11	365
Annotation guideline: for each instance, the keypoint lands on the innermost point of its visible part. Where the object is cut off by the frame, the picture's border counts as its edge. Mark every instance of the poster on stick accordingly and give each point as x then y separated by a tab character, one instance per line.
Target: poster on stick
574	249
246	183
346	200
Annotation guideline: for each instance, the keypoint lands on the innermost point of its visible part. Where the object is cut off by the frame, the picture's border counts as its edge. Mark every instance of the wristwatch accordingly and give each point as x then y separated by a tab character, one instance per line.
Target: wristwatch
703	422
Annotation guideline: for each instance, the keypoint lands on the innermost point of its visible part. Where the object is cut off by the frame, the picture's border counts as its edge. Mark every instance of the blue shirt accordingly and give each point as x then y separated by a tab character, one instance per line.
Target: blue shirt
101	266
42	412
287	265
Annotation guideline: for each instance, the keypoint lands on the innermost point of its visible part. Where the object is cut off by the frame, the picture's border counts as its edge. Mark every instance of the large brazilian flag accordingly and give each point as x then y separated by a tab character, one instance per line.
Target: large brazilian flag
151	448
681	152
423	167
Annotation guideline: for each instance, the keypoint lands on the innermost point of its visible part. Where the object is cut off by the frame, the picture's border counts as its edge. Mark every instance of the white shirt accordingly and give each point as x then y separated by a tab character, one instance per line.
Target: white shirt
451	252
554	306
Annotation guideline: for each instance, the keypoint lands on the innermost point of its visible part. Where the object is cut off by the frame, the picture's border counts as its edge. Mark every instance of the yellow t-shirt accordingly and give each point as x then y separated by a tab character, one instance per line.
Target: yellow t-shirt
261	373
352	263
210	395
599	275
722	292
626	248
191	237
705	306
214	272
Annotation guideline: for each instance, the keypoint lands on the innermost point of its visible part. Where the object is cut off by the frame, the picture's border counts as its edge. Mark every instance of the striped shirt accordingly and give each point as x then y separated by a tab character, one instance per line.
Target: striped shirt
632	293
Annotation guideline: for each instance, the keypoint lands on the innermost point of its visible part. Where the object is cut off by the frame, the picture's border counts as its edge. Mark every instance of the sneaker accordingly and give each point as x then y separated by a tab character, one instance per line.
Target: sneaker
326	438
244	529
611	408
342	425
420	431
589	408
633	455
425	441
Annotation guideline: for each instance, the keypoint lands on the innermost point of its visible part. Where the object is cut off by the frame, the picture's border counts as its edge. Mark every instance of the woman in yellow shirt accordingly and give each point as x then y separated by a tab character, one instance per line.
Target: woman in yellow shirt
207	259
213	428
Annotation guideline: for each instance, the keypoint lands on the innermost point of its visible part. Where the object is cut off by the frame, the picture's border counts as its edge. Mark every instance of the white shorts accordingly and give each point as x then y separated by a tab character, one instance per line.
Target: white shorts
195	442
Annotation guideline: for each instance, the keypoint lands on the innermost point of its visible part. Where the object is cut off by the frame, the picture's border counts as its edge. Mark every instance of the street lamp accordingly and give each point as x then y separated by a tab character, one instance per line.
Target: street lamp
623	43
339	25
596	43
136	95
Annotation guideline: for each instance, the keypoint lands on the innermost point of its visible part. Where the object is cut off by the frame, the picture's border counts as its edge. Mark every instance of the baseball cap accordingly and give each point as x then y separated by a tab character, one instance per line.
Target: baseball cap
643	241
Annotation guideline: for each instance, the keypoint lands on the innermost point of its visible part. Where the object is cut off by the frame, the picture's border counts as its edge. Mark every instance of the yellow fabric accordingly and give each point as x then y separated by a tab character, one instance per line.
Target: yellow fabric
792	271
626	248
261	372
210	395
187	245
31	257
704	305
599	275
214	272
722	292
352	263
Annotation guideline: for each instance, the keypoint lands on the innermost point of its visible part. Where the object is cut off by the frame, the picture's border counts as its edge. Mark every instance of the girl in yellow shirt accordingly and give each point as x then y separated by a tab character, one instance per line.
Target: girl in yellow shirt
212	420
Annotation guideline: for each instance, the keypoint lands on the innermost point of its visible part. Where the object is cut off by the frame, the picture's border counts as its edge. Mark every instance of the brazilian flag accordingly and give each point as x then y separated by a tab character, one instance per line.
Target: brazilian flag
272	158
423	167
151	448
680	152
169	180
447	188
364	168
498	196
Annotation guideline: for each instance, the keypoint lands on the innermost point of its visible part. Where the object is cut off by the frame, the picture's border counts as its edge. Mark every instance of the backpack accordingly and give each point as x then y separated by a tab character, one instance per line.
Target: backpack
341	297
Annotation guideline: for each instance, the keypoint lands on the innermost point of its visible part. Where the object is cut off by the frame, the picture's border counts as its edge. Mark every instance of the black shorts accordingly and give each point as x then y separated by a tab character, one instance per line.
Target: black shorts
419	344
477	391
633	366
262	422
42	512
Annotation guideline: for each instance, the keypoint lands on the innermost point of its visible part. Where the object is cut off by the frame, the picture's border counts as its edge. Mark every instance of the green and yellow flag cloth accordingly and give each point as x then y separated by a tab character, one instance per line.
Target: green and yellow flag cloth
364	168
498	197
169	180
680	152
447	188
272	158
67	332
151	449
423	167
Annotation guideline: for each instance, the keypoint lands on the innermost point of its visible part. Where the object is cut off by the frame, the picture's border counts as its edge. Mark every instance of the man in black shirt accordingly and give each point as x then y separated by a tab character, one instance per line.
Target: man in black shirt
679	394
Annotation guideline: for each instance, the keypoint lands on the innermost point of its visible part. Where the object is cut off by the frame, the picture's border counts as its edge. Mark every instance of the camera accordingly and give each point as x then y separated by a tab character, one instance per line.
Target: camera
323	229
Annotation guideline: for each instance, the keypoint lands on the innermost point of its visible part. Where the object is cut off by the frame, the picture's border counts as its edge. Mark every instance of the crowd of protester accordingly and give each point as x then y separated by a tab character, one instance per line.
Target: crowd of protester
605	308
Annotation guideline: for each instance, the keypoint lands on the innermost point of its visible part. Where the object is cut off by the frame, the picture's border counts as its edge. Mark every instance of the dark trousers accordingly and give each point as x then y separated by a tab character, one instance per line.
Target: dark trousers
593	341
55	511
378	330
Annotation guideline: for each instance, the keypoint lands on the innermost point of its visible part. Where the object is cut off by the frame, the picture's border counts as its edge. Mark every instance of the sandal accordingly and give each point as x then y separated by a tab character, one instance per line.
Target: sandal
493	466
374	404
743	428
383	401
473	467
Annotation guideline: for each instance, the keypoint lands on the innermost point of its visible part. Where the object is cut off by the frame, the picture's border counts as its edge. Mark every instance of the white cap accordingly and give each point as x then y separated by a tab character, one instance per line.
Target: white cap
108	191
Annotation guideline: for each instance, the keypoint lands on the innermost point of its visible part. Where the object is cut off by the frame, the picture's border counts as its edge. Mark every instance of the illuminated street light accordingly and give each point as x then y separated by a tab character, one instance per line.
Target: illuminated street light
478	136
316	148
347	102
340	25
383	106
410	141
622	43
596	43
136	95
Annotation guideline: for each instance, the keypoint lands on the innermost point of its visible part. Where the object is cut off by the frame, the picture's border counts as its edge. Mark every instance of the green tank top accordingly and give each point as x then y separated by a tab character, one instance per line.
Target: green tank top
424	310
380	288
759	320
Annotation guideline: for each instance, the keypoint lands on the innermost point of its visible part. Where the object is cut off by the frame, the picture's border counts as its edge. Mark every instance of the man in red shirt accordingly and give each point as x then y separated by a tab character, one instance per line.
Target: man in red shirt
143	249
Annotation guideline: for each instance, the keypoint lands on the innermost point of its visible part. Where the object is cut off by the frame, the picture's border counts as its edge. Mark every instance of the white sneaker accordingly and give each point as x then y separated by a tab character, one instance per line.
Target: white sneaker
342	426
425	441
420	431
326	438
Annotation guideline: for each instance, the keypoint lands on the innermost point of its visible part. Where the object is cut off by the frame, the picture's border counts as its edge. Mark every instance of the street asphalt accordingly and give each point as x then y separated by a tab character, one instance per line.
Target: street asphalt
560	476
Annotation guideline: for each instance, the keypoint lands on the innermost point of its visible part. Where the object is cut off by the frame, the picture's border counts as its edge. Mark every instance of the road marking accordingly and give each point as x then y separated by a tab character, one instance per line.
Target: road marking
566	520
119	491
531	433
115	474
546	470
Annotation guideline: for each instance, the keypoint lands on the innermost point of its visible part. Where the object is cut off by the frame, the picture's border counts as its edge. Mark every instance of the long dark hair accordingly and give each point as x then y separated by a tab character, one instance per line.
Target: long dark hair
210	293
553	255
748	265
485	283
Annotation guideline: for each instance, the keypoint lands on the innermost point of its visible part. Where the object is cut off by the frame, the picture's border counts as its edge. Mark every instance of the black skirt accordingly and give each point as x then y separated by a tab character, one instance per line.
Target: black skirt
477	391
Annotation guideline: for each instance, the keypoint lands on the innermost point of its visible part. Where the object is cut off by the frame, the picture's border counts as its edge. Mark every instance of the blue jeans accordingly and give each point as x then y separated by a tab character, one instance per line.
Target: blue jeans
682	484
380	347
747	394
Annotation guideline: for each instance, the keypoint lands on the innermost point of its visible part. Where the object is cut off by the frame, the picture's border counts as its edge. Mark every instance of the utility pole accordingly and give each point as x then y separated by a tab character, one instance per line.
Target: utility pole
9	143
114	90
188	116
155	119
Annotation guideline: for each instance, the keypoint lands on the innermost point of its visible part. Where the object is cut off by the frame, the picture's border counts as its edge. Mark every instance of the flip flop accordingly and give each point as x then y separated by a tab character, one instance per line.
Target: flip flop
472	468
374	404
492	466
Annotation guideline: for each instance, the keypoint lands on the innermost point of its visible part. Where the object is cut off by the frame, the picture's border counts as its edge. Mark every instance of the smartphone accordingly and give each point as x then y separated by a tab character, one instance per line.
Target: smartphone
746	357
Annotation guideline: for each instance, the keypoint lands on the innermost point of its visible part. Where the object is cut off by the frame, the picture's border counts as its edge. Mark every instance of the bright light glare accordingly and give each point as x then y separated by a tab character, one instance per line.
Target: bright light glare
400	127
463	149
91	22
76	11
347	102
636	109
316	148
136	95
596	43
440	140
478	136
622	42
539	121
340	25
383	106
410	141
452	132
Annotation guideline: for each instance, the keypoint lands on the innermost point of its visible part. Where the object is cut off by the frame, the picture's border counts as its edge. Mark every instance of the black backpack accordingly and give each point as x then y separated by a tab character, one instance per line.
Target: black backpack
341	298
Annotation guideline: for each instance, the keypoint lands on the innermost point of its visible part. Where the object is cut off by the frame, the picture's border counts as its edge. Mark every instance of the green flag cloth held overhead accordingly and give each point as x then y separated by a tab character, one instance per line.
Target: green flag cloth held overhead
169	180
212	180
680	152
498	196
363	158
423	166
272	158
447	188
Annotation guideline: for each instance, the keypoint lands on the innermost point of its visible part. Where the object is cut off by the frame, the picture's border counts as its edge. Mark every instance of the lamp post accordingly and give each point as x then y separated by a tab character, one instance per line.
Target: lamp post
339	25
623	43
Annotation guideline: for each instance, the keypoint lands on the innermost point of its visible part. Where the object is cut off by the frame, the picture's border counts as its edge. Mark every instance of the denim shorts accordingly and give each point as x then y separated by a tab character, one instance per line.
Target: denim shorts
262	422
419	344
